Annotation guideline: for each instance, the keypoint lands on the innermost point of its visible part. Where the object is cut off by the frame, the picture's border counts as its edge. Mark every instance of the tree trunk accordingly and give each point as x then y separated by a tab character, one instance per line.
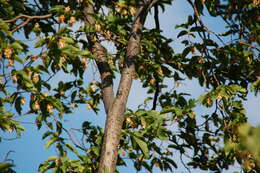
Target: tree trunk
100	52
115	117
115	107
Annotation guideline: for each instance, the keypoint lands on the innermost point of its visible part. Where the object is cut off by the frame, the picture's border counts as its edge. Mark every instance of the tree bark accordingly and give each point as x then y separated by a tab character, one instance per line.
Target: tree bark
115	111
115	116
100	52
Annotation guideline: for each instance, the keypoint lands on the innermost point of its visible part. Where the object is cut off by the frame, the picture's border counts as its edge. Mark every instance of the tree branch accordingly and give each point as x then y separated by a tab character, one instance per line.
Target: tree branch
28	19
104	69
157	86
115	118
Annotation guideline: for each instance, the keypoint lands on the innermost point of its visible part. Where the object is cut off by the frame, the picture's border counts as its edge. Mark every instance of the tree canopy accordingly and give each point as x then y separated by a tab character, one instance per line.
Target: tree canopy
41	39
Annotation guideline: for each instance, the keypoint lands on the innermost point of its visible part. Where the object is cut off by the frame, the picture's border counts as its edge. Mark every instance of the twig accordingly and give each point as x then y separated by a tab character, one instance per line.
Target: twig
202	24
188	169
10	139
69	135
7	155
72	140
28	19
252	46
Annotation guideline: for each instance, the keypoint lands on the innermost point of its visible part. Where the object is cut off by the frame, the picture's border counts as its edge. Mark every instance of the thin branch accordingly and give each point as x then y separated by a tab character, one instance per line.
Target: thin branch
43	11
9	139
202	24
157	86
70	136
7	155
188	169
252	46
28	19
144	9
72	140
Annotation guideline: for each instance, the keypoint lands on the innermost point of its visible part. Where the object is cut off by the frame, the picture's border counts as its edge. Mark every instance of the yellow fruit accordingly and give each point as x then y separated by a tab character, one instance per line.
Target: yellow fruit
23	100
118	9
74	105
123	153
34	58
128	120
256	2
61	18
58	162
72	20
61	44
176	84
97	27
110	62
94	39
95	82
62	92
209	102
35	78
49	108
107	35
8	52
193	50
33	96
14	78
124	12
36	25
159	70
10	63
88	107
92	88
84	62
36	106
46	94
219	97
67	9
132	11
201	60
152	81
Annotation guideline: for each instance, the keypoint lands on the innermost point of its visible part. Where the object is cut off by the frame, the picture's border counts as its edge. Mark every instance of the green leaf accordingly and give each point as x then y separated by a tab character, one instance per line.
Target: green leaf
4	166
50	142
143	146
4	26
18	105
84	53
162	134
197	29
46	134
73	95
16	45
18	59
57	8
186	51
52	158
40	43
182	33
68	40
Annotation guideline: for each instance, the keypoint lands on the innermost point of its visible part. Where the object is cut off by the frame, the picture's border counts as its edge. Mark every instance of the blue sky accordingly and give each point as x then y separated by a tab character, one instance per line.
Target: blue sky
29	150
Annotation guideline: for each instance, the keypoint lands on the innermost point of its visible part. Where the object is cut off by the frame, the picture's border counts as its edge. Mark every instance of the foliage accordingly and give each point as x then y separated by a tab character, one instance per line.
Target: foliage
67	43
